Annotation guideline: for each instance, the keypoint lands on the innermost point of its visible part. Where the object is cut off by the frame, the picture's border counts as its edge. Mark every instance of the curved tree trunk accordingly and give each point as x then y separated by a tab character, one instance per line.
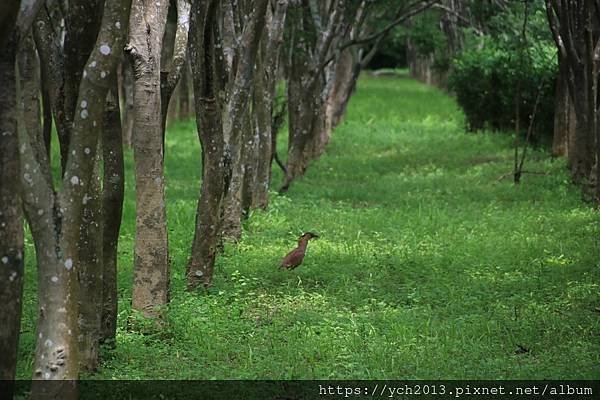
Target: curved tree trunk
112	210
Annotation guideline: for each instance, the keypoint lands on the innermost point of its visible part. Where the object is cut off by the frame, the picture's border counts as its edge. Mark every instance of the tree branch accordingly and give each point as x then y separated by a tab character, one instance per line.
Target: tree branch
424	5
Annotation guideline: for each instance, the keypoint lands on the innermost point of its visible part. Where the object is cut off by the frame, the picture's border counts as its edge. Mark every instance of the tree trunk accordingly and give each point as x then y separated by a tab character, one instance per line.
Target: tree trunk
263	109
250	163
11	215
126	93
112	211
306	120
564	115
235	128
176	58
55	218
151	266
215	161
346	75
90	273
264	99
52	62
581	154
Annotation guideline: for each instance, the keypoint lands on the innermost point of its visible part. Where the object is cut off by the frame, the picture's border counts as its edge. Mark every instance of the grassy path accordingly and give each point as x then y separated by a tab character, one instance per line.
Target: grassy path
427	267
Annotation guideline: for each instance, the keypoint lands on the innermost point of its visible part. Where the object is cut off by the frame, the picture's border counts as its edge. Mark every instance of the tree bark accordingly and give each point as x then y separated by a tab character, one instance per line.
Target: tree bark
237	108
306	119
264	99
55	217
170	77
90	272
564	115
49	47
112	211
250	163
126	93
151	266
215	161
574	26
11	216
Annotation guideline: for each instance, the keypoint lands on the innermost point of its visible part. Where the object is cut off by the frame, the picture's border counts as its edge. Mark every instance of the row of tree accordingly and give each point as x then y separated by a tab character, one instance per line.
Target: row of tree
453	38
73	64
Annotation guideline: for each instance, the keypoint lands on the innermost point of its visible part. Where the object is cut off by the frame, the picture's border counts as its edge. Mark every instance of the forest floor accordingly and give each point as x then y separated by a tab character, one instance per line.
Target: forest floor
427	266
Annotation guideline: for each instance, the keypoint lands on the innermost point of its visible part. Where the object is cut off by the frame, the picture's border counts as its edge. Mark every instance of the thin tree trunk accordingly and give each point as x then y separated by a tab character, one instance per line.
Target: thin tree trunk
151	266
250	163
306	120
126	94
112	211
177	60
236	111
264	99
581	155
564	115
342	88
263	103
49	48
11	215
210	133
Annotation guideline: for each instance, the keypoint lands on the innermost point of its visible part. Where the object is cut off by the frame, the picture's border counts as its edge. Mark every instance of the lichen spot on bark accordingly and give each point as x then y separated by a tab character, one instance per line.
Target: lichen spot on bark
54	279
83	104
118	25
68	263
84	114
87	150
4	260
74	180
105	49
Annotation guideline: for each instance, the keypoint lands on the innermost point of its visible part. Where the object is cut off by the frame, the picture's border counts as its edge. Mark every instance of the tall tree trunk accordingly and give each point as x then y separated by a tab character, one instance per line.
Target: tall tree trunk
55	218
343	86
215	161
49	47
126	94
564	115
151	266
306	119
264	99
90	272
575	28
250	163
176	59
263	108
112	211
581	155
236	112
11	215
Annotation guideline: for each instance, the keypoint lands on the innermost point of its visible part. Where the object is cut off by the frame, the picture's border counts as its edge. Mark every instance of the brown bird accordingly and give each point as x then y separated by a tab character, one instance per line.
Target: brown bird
295	257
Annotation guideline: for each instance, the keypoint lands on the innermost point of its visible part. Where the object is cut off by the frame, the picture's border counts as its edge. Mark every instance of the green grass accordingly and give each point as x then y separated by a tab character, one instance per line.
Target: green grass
427	266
